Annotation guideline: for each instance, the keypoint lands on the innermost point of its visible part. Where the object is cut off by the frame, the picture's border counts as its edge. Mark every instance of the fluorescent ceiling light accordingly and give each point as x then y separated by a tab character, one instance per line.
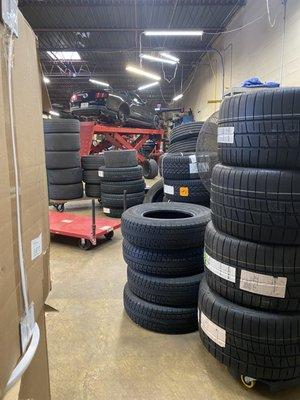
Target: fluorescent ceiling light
64	55
167	55
158	59
54	113
148	85
46	80
173	33
99	82
142	72
179	96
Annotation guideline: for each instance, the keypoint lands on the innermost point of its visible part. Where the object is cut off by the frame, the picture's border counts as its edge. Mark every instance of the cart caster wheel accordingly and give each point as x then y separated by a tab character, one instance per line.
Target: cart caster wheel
248	382
85	244
109	235
60	207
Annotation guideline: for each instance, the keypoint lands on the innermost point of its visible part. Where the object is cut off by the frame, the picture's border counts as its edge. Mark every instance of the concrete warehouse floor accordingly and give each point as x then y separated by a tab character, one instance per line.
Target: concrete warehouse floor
96	352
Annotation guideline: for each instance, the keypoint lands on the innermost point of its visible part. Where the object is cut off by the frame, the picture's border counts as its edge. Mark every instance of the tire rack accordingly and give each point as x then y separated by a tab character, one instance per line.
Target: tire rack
125	138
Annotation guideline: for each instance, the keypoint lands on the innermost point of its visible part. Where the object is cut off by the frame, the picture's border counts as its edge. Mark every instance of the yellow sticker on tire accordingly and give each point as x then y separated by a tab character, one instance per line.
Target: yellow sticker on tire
184	191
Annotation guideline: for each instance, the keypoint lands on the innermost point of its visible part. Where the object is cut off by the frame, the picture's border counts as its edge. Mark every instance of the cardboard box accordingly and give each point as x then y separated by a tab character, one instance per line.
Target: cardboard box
27	111
35	383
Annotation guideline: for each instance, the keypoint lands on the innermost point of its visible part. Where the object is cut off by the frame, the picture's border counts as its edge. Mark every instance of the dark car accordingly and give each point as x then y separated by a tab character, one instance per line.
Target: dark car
121	106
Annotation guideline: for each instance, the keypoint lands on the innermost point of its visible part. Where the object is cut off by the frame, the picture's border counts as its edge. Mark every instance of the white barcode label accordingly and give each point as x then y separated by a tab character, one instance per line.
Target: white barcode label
266	285
203	167
101	174
213	331
106	210
218	268
193	168
226	134
193	158
36	247
169	189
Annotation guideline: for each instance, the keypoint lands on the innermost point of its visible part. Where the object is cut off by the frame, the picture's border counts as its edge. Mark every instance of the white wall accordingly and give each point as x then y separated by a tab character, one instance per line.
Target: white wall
253	51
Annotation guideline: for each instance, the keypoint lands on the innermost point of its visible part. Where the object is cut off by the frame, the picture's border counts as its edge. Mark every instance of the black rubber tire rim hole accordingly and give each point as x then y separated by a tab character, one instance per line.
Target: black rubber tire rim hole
166	214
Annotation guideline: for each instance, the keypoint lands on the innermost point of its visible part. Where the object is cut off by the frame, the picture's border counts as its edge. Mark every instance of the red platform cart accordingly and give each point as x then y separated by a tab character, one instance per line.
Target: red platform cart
87	229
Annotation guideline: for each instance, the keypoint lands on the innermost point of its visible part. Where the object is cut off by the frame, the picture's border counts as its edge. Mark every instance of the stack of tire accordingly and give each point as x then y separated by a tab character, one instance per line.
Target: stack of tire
90	165
183	138
62	145
181	179
163	248
122	182
249	303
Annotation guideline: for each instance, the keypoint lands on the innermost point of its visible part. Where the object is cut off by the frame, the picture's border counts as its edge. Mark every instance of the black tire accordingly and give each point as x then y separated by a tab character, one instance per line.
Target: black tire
171	320
109	235
85	244
150	169
258	344
119	187
179	166
157	124
121	174
186	191
61	125
177	292
185	131
92	162
93	190
120	158
164	263
62	159
266	127
165	225
122	117
117	200
65	192
64	176
113	212
91	176
184	146
253	275
256	204
62	142
155	193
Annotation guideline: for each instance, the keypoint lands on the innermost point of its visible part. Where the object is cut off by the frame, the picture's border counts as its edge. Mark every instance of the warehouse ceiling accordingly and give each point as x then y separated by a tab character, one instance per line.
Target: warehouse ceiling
107	34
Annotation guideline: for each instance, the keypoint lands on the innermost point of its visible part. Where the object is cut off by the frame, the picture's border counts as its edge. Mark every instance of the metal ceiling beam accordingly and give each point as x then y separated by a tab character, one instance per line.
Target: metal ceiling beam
87	75
93	3
75	81
87	29
56	83
134	30
86	83
109	50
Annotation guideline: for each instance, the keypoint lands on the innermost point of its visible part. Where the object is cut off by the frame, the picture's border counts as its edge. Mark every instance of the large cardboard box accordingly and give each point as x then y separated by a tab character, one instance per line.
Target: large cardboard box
35	383
27	112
